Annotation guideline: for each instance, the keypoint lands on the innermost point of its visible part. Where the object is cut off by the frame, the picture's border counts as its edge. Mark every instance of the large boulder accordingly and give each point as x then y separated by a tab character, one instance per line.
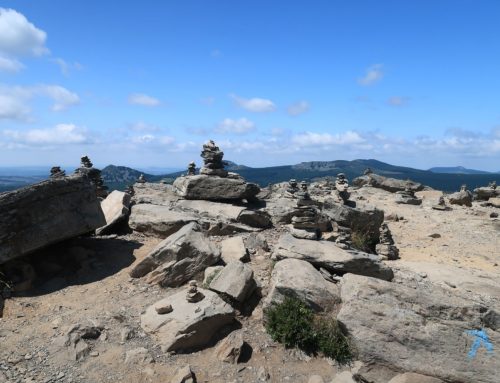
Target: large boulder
486	192
116	210
366	220
157	219
215	188
233	249
386	183
179	257
331	257
47	212
188	325
235	280
426	331
463	198
299	279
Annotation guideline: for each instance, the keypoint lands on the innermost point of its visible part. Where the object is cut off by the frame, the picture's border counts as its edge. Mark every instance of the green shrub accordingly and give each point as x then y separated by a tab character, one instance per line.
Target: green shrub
361	241
294	324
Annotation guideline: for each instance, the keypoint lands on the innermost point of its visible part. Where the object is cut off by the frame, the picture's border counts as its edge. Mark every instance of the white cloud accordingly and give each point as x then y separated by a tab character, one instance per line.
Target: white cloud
239	126
323	139
15	99
66	67
10	65
143	99
373	75
143	127
61	134
152	140
398	101
257	105
298	108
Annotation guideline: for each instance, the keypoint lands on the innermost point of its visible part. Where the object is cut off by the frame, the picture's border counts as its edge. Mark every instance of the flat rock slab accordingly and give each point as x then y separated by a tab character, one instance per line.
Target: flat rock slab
189	325
331	257
299	279
179	257
425	331
157	219
154	193
233	249
45	213
115	208
235	280
212	209
213	188
386	183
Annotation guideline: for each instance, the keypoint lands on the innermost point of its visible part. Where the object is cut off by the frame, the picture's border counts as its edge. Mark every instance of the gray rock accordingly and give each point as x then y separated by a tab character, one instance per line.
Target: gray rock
230	348
216	210
233	249
417	330
389	184
189	325
154	194
256	218
235	280
331	257
299	279
210	273
137	356
310	234
213	188
116	209
486	192
463	198
410	377
184	375
344	377
45	213
178	258
495	202
157	219
257	241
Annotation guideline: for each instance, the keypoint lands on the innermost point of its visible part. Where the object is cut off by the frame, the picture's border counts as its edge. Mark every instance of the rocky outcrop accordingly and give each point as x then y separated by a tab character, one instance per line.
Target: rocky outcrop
158	220
45	213
299	279
214	188
188	325
389	184
116	210
486	192
463	198
429	332
235	280
178	258
331	257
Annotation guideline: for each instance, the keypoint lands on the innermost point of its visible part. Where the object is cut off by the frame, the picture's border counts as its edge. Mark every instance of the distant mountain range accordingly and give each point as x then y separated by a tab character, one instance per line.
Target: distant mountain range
447	179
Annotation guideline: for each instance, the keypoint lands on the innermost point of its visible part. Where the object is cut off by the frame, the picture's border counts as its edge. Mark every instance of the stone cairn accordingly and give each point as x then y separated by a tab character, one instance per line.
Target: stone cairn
130	190
292	189
212	158
141	179
191	169
87	168
441	205
341	188
193	295
493	185
305	223
57	172
343	239
386	248
408	196
463	188
368	171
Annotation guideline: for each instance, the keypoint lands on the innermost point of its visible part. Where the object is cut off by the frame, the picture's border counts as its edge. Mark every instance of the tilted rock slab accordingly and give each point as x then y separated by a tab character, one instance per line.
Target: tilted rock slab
214	188
178	258
233	249
331	257
116	209
418	330
235	280
485	192
45	213
189	325
463	198
299	279
386	183
157	219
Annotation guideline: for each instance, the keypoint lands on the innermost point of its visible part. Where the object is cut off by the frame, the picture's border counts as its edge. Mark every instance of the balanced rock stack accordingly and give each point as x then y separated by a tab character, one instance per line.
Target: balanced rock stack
463	197
486	192
441	205
141	179
214	183
305	223
191	169
292	189
212	158
56	172
87	168
341	188
386	248
408	196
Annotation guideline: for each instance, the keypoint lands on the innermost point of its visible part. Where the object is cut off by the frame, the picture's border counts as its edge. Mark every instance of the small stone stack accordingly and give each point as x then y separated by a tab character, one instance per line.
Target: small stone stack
493	185
341	188
368	171
141	179
130	190
441	205
212	158
292	189
407	196
386	248
463	197
87	168
343	239
191	169
305	223
57	172
193	295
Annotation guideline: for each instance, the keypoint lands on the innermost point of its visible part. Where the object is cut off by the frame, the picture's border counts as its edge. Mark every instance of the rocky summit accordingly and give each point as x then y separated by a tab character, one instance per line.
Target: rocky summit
212	279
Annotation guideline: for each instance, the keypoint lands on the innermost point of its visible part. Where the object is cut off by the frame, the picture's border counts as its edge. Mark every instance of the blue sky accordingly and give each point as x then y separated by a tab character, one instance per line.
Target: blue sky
413	83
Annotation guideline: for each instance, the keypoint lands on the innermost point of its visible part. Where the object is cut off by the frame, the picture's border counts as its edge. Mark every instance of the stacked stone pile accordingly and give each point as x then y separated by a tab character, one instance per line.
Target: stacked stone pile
341	188
56	172
305	224
408	196
292	189
87	168
386	248
212	158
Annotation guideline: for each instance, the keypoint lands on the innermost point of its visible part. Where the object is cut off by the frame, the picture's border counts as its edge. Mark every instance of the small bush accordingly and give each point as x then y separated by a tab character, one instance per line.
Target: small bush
294	324
361	241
